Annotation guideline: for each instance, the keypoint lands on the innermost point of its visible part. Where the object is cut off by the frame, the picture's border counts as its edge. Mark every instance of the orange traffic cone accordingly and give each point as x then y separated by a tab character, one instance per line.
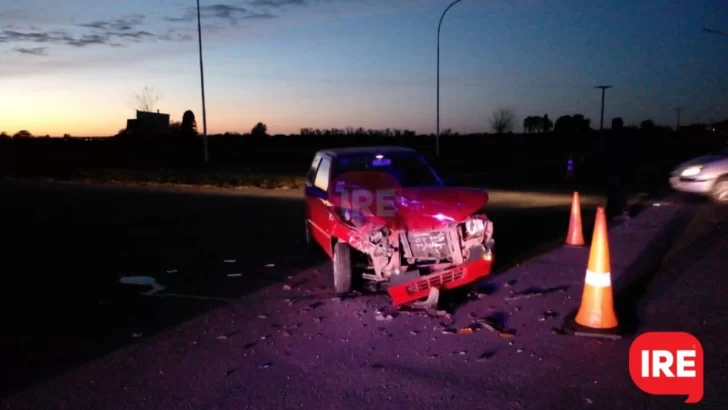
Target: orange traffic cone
596	314
575	236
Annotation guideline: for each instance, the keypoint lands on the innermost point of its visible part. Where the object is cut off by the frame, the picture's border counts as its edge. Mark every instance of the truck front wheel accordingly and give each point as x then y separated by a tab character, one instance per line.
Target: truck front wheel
342	269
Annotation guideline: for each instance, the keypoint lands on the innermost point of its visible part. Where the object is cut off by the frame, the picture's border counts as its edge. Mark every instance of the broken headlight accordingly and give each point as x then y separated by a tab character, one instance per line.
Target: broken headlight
350	217
377	235
476	226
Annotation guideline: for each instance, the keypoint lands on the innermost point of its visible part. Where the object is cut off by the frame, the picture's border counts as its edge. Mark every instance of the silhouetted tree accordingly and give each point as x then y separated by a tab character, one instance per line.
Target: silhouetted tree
260	130
502	121
529	124
617	123
189	125
546	124
147	99
23	134
647	125
572	124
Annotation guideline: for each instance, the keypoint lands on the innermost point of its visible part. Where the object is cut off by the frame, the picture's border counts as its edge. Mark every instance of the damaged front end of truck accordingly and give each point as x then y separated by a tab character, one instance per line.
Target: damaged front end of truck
433	239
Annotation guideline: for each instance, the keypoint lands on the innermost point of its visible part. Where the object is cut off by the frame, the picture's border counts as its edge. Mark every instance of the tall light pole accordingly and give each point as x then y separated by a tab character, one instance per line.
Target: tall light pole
601	121
202	82
437	138
679	110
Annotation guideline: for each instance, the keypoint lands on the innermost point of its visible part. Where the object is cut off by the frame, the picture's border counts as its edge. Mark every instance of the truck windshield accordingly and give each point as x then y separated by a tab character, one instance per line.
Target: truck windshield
409	169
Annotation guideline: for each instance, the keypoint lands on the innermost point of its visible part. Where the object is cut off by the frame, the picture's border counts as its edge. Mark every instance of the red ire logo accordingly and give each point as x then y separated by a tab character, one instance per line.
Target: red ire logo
668	363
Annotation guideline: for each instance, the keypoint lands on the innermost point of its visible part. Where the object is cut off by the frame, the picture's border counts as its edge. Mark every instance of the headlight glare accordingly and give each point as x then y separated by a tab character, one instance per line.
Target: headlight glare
692	171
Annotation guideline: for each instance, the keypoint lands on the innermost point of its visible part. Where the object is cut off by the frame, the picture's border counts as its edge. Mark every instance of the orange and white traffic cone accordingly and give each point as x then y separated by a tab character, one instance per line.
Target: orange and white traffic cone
596	315
575	235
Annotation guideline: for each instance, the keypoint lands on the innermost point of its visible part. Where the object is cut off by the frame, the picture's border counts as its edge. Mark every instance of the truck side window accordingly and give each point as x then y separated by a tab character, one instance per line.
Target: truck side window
312	171
322	175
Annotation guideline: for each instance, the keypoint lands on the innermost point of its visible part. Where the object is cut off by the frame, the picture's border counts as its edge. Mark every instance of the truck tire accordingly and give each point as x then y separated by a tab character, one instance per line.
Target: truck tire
342	269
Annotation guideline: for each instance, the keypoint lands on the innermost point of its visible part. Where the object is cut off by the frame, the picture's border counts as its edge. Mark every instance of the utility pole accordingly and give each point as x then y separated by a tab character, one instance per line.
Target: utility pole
601	121
202	82
437	137
679	110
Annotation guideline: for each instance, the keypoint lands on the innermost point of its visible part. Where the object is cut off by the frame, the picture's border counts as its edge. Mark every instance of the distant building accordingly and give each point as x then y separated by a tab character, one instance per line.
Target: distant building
148	122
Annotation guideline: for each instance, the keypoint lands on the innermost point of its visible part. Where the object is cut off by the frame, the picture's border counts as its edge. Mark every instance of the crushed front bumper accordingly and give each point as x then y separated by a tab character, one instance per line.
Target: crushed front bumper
452	278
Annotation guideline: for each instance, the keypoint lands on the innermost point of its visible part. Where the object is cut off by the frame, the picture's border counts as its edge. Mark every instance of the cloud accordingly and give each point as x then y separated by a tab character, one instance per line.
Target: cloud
225	12
277	3
176	35
122	24
64	38
37	51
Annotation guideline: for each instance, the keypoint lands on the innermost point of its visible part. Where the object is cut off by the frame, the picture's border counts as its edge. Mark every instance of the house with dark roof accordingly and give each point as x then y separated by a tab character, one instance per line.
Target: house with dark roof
148	122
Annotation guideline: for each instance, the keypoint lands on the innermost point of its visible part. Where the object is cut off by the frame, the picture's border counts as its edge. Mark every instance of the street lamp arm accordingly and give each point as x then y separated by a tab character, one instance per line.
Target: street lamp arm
443	15
439	25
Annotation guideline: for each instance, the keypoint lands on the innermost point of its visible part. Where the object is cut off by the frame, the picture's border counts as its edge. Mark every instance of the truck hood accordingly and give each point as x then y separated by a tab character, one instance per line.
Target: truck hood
383	202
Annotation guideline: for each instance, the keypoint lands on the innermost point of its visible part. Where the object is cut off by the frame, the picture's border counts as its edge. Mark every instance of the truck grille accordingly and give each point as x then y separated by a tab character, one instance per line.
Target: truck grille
435	281
429	245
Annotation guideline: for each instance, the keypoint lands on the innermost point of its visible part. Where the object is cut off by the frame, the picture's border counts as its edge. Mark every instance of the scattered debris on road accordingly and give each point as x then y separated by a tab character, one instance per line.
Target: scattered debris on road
142	281
262	316
466	331
266	365
531	292
222	337
286	287
486	355
548	315
316	304
558	331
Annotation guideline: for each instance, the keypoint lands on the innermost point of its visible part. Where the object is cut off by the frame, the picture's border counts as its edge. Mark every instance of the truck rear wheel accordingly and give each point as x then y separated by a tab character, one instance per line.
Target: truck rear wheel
342	269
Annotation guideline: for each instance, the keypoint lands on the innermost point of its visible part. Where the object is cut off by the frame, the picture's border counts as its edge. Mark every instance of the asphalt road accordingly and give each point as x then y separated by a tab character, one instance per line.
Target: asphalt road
66	248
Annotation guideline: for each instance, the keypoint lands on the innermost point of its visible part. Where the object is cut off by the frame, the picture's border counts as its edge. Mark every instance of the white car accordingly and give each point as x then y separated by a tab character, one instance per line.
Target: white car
706	175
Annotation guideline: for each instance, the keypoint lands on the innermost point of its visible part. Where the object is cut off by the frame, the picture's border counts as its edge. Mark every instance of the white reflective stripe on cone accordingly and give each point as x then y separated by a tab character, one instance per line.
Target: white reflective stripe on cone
598	279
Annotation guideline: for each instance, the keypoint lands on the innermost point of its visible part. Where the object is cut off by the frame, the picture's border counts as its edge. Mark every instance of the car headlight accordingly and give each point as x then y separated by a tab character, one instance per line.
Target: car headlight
692	171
